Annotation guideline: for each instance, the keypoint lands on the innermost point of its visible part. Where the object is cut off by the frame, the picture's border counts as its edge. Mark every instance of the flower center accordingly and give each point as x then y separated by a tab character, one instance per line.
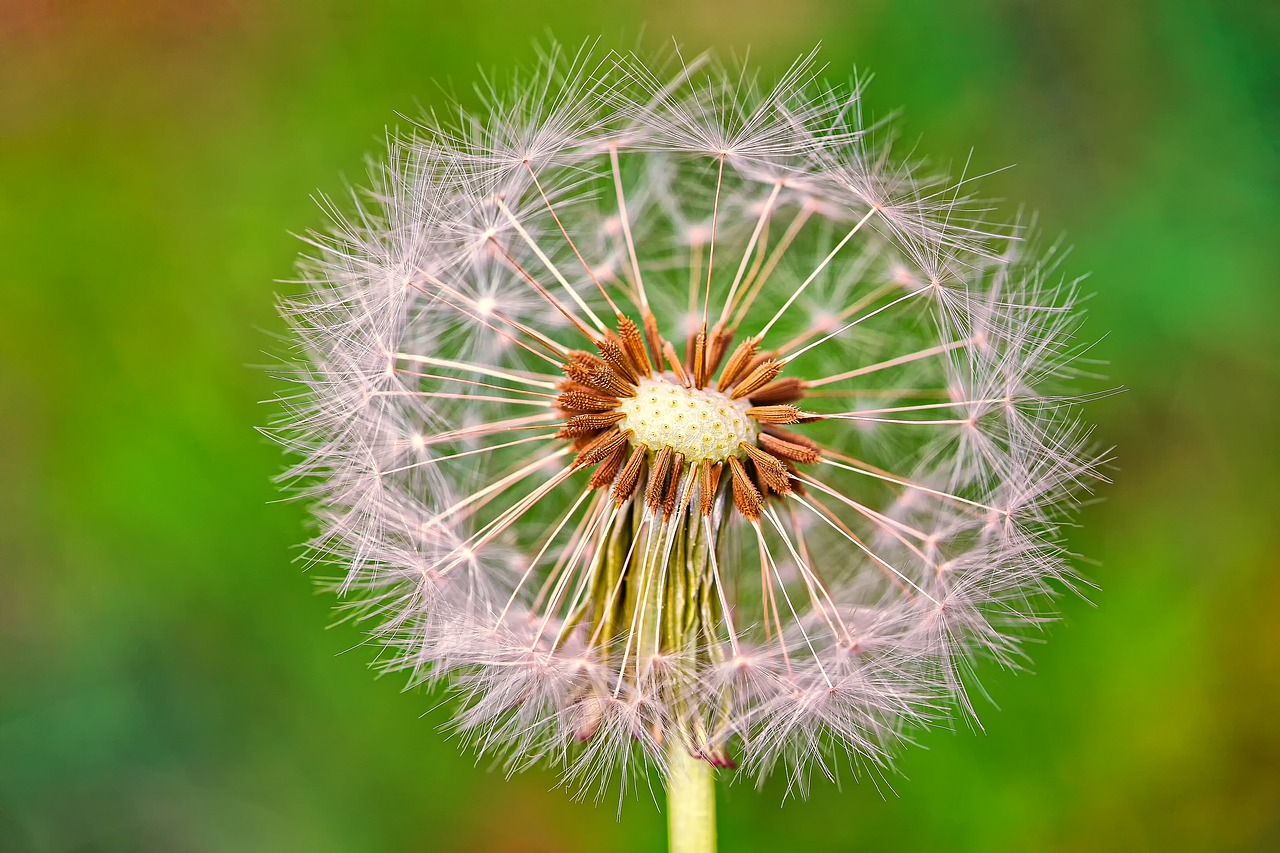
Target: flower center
696	423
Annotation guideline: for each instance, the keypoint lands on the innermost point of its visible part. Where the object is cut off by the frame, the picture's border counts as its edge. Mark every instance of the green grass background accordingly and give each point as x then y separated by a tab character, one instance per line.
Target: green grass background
166	679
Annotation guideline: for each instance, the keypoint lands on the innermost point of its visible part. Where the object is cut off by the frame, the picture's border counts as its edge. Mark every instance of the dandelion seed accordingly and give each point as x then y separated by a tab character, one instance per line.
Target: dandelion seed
675	425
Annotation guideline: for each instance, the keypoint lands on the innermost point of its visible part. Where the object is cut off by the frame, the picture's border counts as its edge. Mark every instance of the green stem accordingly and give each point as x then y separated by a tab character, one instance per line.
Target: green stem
691	802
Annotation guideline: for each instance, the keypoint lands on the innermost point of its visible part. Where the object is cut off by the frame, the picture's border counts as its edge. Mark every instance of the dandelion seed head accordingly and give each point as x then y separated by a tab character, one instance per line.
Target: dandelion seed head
651	407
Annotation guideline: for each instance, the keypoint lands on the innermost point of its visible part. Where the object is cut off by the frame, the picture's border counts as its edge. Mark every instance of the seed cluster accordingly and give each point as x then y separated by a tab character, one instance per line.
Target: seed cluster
627	416
623	551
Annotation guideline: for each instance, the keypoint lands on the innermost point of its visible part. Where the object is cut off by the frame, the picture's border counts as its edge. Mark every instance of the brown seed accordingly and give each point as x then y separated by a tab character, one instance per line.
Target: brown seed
584	401
737	363
756	379
658	479
582	424
588	360
720	340
770	468
630	474
760	358
786	390
577	373
784	449
673	486
612	353
633	343
710	481
604	475
611	383
597	450
746	497
673	361
761	484
698	359
793	437
775	414
651	334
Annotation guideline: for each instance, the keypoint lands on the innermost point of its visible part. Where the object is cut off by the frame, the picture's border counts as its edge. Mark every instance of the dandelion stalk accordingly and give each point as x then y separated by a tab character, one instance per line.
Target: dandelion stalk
691	803
673	424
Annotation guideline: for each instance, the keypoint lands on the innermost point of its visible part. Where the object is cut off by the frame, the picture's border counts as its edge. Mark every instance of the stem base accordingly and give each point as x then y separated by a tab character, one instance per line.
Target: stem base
691	802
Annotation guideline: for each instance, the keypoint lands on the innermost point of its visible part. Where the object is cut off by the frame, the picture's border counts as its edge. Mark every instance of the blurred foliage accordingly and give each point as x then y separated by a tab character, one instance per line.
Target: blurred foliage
167	682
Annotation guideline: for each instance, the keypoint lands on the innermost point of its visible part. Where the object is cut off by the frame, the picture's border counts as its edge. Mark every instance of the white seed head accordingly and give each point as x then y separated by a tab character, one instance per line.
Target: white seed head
654	406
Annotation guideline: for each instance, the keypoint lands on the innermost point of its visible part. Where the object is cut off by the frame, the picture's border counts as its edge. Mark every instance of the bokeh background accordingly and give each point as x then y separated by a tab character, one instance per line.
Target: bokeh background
167	682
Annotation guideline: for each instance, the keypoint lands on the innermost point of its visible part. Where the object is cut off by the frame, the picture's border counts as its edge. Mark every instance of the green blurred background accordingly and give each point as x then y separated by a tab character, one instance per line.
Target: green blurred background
166	679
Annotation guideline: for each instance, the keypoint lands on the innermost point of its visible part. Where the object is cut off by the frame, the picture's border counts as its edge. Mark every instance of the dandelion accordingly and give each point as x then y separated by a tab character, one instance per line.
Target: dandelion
677	426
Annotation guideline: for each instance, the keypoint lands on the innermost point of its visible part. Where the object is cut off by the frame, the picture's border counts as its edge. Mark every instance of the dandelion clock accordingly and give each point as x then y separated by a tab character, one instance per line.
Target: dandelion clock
681	430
